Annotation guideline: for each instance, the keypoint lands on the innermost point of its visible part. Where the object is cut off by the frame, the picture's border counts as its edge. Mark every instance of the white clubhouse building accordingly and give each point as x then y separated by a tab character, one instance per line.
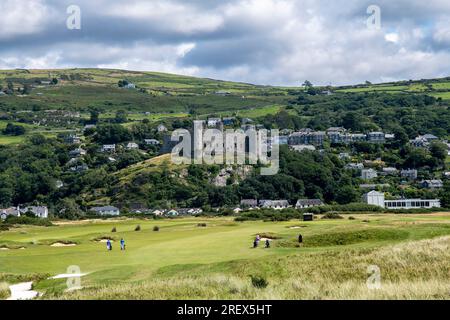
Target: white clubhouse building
377	199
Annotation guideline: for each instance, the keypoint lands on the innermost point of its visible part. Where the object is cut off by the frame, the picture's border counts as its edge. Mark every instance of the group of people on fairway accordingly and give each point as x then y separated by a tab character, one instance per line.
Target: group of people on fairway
267	242
258	239
109	245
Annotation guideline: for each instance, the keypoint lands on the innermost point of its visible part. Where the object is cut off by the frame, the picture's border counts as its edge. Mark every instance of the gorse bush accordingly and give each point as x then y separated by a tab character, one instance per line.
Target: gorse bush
259	282
201	225
114	229
332	215
138	228
155	228
29	221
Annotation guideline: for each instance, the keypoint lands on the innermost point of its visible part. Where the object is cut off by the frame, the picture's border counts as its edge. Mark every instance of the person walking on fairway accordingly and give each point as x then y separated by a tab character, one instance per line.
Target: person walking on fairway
122	244
267	243
300	239
255	244
108	245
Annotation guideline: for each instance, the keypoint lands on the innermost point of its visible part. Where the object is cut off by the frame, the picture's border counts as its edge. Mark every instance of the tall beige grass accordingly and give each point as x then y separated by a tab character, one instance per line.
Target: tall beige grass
412	270
4	291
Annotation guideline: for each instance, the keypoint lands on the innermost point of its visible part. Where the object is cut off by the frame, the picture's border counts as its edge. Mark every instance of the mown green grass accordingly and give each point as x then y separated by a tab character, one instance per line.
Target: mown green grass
182	249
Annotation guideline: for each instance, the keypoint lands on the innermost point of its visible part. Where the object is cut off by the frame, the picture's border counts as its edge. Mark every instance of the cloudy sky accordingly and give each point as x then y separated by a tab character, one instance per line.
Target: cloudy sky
278	42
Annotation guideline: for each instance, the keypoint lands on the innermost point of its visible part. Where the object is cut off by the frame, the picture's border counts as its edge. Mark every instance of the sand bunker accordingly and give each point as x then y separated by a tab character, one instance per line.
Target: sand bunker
104	240
68	275
22	291
61	244
11	248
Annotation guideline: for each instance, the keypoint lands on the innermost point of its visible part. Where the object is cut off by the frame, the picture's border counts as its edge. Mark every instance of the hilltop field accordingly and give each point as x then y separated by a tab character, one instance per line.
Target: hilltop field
213	258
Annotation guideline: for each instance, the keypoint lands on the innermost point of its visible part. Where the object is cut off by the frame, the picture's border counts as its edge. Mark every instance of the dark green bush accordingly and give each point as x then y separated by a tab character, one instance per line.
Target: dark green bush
29	221
259	282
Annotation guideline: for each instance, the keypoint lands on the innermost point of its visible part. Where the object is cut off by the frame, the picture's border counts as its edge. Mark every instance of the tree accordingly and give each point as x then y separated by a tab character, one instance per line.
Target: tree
307	84
55	81
69	209
121	116
26	89
112	133
94	116
438	151
14	130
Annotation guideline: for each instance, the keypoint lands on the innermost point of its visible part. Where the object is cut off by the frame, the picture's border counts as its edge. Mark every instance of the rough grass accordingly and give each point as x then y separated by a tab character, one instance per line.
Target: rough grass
412	270
4	291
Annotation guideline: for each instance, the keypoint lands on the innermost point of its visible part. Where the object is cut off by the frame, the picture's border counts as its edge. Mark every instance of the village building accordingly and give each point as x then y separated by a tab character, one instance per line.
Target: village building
109	148
423	141
308	203
432	184
214	122
73	139
368	174
376	137
344	156
378	199
354	166
89	127
79	168
12	211
274	204
307	137
303	147
38	211
151	142
228	121
106	211
162	128
78	152
410	174
249	203
389	171
132	146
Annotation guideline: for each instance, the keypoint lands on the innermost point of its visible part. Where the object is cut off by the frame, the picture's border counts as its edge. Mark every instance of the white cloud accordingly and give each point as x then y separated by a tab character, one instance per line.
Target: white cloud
25	17
167	15
392	37
261	41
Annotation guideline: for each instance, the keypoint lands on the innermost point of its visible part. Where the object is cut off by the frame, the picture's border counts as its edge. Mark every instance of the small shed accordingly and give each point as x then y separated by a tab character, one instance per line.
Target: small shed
308	217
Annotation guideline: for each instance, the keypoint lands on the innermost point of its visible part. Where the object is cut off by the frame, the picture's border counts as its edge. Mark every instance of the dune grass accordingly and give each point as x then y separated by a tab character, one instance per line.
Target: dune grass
4	290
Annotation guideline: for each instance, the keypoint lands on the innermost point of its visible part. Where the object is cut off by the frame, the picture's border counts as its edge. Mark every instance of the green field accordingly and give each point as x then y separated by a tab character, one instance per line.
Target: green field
184	260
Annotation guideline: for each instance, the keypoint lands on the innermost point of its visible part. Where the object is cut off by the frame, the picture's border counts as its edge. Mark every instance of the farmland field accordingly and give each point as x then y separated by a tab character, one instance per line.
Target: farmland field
213	258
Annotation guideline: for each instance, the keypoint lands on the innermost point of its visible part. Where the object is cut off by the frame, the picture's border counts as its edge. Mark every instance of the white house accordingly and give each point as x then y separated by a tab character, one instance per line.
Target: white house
409	174
354	166
78	152
214	122
38	211
109	148
368	174
162	128
303	147
432	184
4	213
274	204
152	142
132	146
374	198
106	211
308	203
377	199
